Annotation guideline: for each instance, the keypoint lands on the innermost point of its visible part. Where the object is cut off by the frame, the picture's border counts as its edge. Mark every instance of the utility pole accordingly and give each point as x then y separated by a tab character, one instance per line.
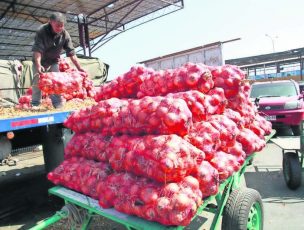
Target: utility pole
272	41
273	50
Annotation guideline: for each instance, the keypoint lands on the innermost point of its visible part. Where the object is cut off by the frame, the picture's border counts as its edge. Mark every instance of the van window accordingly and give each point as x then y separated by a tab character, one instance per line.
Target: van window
301	88
286	89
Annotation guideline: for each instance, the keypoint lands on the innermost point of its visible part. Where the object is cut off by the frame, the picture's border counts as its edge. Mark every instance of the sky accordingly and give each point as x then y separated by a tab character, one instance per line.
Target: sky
202	22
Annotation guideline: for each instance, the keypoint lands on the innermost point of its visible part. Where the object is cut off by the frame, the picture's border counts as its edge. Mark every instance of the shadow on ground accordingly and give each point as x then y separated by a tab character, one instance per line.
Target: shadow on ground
24	202
271	185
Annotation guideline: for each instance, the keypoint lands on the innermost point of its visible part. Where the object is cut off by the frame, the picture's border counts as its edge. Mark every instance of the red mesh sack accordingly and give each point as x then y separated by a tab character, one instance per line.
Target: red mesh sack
92	146
235	116
227	128
168	204
228	77
164	158
81	175
263	124
61	82
250	141
125	86
149	115
202	106
205	137
226	164
208	178
237	151
187	77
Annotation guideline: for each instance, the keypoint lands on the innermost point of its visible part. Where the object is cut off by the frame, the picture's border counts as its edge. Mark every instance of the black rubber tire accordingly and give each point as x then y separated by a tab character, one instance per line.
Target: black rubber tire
292	170
237	208
296	130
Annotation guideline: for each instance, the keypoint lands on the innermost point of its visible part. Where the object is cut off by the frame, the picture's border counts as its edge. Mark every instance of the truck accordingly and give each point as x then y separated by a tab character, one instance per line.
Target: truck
27	130
44	129
280	102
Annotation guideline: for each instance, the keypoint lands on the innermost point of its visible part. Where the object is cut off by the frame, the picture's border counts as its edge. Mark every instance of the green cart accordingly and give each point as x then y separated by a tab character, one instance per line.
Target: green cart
293	155
238	207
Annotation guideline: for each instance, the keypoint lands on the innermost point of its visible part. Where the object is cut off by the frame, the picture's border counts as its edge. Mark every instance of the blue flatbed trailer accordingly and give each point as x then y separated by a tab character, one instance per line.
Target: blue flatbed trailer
44	129
45	119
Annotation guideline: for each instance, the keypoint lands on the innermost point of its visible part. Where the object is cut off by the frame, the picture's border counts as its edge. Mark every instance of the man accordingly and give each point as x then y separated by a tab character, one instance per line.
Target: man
50	40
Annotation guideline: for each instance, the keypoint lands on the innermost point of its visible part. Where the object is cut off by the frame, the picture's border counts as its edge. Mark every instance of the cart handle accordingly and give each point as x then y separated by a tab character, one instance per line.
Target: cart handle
55	218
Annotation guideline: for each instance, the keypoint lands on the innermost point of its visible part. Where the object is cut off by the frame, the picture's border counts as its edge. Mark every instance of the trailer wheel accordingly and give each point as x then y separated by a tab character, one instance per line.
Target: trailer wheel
292	170
243	210
5	147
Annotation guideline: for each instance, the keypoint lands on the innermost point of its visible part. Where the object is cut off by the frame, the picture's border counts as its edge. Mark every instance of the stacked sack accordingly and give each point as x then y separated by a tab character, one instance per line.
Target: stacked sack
25	100
169	204
71	84
161	141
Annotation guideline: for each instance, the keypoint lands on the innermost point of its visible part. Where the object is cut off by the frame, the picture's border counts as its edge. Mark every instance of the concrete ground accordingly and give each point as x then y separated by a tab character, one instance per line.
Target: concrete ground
283	208
27	164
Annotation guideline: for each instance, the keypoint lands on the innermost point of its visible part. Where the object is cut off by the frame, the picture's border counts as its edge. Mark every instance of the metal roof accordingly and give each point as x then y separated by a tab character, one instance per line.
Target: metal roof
20	19
267	59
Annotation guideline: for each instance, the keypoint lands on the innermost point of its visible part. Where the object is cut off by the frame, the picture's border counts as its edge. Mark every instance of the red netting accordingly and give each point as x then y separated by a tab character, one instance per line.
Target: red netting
157	115
169	204
187	77
164	158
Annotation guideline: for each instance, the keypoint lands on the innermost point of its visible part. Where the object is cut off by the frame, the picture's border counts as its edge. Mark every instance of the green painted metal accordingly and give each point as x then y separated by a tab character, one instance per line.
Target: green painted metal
93	207
302	136
85	225
52	220
255	217
302	143
221	200
225	189
133	222
267	138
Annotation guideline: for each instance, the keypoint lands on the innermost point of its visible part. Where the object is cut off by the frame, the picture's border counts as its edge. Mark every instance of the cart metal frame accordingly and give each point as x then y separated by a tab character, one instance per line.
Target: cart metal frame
293	157
213	204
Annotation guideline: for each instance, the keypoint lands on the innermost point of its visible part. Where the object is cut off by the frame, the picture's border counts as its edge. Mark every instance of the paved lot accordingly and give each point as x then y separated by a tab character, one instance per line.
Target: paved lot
284	208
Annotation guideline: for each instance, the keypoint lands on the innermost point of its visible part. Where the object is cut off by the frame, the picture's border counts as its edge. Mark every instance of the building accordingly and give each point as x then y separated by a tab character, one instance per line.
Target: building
276	66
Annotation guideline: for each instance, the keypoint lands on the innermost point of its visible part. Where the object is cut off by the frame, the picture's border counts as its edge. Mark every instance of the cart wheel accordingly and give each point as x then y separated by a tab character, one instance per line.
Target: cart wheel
243	210
292	170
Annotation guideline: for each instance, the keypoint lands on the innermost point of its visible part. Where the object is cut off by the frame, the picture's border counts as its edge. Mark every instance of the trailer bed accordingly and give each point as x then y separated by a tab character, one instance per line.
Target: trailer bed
16	123
91	204
131	221
14	119
287	143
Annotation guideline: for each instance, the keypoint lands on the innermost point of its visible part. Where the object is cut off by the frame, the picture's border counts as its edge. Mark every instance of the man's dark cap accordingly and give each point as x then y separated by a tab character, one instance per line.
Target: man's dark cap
58	17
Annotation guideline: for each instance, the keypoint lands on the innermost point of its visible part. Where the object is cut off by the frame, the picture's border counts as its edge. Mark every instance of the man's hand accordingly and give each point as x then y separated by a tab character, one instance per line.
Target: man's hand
37	60
75	61
40	69
81	69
